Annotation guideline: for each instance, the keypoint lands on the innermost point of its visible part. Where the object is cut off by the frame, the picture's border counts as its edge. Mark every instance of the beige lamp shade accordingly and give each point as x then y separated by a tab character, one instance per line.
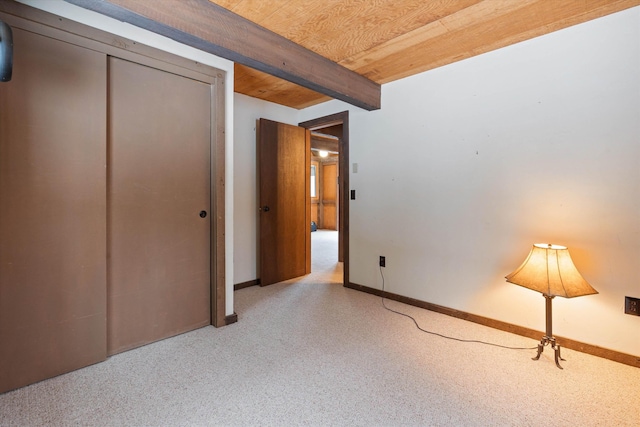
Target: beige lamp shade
549	269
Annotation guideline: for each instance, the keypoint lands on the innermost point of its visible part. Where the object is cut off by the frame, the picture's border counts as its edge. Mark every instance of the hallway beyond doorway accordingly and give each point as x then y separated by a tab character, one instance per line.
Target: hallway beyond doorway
324	257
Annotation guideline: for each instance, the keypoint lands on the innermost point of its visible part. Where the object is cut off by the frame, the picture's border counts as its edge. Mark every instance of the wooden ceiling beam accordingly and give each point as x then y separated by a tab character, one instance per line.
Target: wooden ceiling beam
211	28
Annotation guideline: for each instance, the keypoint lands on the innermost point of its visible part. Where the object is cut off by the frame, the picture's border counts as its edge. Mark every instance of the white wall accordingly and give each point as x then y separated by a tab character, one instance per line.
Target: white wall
75	13
247	111
468	165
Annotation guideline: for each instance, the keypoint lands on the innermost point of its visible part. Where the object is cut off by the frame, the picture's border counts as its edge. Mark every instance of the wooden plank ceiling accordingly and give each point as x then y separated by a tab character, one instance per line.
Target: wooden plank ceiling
386	40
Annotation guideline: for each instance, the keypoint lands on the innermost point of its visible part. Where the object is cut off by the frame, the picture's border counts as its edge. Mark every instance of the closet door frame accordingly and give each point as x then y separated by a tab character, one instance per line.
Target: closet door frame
27	18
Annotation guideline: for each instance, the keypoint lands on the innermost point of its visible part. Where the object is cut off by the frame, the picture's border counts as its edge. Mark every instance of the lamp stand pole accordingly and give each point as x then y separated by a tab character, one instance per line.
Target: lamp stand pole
548	337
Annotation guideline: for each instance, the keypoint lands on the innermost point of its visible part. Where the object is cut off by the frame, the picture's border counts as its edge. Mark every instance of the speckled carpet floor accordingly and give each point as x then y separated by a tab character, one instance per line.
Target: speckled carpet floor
311	352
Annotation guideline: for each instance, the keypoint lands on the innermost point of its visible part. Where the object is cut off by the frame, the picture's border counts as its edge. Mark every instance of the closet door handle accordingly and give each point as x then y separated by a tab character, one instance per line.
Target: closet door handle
265	209
203	214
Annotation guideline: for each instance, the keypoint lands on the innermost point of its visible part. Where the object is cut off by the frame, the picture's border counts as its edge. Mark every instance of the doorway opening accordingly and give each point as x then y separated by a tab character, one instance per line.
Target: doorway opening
324	183
331	205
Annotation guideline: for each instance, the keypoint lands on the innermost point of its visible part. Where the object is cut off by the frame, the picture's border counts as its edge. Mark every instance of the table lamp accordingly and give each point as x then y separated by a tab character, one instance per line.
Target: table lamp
548	269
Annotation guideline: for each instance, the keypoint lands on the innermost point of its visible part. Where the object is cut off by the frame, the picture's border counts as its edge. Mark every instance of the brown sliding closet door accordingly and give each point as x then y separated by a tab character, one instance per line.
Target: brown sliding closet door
52	211
158	195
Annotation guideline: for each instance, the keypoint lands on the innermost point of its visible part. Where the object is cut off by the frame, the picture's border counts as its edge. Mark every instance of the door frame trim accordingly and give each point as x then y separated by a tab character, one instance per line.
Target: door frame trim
343	167
47	24
217	239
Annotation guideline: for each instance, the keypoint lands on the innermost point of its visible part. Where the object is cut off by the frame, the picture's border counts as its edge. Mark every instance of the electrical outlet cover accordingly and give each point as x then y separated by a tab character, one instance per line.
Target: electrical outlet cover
632	306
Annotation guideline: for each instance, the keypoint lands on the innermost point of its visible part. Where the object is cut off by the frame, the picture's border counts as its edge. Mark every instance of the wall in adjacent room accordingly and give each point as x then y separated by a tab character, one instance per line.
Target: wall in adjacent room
466	166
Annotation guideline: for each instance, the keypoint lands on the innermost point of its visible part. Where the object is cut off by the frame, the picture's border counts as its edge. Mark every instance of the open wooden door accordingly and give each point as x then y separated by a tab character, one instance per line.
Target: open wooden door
284	163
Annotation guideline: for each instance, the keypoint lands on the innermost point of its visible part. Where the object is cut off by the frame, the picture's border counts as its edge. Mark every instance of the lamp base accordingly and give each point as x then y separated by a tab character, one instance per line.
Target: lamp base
554	345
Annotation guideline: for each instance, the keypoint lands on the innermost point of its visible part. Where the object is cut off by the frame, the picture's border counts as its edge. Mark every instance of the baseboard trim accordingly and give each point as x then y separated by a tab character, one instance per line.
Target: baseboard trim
230	319
246	284
594	350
